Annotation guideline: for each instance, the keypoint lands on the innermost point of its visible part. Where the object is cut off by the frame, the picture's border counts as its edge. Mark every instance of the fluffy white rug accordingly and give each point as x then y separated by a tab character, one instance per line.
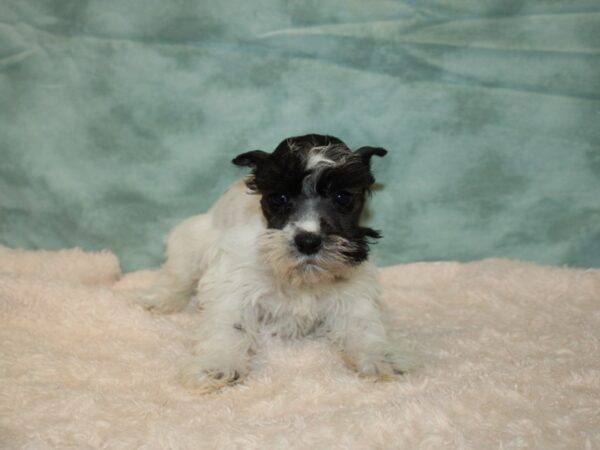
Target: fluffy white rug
503	355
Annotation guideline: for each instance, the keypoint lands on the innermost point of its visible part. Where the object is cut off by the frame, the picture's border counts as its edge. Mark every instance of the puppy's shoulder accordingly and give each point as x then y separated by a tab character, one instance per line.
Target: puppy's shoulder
237	206
362	282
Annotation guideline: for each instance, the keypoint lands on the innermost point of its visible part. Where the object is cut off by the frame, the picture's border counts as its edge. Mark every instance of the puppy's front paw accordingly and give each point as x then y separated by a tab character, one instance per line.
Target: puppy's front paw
379	367
198	377
162	304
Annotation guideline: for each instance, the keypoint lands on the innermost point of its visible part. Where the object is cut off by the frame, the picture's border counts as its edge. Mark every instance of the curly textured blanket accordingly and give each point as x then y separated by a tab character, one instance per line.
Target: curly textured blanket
502	354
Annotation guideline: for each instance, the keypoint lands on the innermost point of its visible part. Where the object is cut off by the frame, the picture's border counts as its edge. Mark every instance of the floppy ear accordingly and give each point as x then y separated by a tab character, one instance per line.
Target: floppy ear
367	152
251	159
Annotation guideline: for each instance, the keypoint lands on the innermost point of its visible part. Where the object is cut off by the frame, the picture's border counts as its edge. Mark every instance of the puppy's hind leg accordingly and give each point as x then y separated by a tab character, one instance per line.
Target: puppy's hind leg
188	252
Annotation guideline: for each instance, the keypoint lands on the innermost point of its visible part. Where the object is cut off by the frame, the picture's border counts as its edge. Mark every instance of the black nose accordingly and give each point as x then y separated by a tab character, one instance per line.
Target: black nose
308	243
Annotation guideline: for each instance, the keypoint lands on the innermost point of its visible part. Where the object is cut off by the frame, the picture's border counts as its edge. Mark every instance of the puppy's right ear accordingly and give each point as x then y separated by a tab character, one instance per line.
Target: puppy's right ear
251	159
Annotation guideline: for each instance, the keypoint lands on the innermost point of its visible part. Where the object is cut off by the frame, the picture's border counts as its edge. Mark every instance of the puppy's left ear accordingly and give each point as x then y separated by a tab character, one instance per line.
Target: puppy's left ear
367	152
251	159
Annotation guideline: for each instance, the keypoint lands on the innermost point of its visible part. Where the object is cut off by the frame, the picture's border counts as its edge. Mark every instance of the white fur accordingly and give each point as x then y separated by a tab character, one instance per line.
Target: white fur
308	224
248	282
308	221
317	159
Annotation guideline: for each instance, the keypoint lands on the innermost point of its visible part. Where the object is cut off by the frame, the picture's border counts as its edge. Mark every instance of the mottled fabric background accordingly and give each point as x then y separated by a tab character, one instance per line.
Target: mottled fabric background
120	118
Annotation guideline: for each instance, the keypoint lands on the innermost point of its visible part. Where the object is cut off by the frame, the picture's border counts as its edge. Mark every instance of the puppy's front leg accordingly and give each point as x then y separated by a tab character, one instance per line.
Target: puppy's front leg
222	353
362	336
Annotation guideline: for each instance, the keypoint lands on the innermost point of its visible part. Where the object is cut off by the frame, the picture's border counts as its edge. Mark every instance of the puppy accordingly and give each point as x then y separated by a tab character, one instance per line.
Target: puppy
280	253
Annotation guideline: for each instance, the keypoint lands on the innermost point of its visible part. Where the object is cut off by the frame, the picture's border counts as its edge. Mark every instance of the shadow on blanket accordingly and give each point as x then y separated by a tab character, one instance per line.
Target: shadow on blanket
504	353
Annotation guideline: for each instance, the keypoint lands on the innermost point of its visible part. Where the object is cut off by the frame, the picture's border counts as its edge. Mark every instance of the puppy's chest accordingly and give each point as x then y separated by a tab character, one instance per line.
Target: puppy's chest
292	314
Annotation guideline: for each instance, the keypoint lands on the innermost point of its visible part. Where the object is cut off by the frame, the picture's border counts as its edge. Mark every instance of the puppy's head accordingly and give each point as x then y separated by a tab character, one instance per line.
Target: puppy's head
313	191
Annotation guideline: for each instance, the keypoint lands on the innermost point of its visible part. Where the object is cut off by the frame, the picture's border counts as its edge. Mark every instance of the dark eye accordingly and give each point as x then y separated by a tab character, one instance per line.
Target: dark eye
343	198
277	200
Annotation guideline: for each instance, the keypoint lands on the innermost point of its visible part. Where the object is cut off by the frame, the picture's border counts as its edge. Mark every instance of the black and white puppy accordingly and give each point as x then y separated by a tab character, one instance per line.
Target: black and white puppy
283	253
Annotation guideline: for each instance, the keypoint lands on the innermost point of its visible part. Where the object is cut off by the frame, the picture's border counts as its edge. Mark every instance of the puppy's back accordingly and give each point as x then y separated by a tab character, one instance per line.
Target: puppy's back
236	207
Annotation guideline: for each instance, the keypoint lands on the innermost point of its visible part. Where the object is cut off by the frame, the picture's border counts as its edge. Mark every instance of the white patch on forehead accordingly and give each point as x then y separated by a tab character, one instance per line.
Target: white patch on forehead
317	158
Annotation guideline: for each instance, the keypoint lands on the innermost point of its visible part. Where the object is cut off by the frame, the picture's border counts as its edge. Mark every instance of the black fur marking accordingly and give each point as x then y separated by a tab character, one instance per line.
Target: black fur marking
288	188
251	159
307	142
352	175
366	153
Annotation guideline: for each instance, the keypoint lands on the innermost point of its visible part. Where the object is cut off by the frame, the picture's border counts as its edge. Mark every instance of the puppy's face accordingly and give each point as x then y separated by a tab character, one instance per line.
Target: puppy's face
313	192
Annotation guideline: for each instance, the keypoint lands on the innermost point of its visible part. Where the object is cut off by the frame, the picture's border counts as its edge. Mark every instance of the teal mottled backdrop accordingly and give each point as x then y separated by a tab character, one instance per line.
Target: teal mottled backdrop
119	118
